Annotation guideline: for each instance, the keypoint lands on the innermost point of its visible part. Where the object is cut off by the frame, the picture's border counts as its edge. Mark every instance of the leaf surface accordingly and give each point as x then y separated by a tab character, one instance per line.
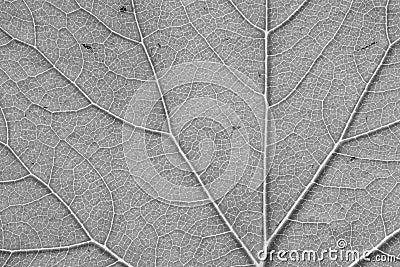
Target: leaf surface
197	133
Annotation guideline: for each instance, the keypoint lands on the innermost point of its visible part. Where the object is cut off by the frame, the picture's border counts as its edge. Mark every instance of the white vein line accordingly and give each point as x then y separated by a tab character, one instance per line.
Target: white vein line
245	18
6	44
206	191
113	264
65	111
106	26
377	247
77	220
363	158
36	200
33	22
83	92
158	18
105	183
290	48
266	147
83	60
67	247
386	20
206	263
312	222
8	258
394	233
348	139
200	236
312	65
288	18
5	123
15	180
333	150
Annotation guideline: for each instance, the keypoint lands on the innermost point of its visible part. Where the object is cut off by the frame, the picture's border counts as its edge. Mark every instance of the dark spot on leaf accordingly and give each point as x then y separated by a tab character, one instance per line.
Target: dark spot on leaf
89	47
150	133
367	46
123	9
236	127
159	45
352	159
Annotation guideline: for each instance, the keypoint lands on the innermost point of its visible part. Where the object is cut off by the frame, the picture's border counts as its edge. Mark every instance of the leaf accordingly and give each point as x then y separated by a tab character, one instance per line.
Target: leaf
198	133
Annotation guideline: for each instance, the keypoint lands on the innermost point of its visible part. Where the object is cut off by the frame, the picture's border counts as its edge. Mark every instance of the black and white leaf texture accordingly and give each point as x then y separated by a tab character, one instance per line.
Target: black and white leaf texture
198	133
